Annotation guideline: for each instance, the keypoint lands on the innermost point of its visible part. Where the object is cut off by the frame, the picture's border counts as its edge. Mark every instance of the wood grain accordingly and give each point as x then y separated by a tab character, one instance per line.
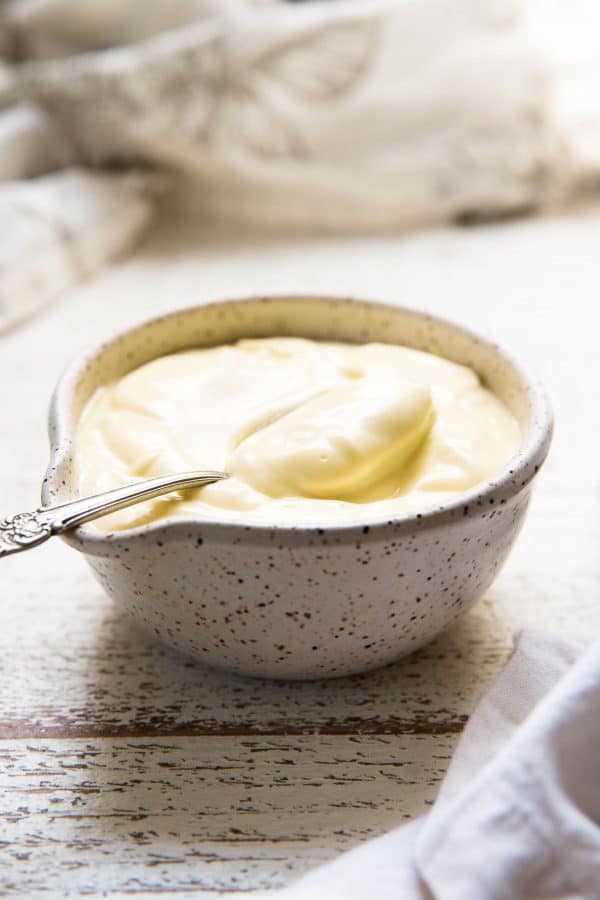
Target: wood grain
202	814
126	769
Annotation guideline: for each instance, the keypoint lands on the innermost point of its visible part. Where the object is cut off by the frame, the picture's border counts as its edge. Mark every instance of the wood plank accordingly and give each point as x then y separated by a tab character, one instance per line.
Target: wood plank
200	813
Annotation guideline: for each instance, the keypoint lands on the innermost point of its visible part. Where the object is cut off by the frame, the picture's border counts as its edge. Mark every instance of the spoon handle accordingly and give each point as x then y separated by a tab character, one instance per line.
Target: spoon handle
25	530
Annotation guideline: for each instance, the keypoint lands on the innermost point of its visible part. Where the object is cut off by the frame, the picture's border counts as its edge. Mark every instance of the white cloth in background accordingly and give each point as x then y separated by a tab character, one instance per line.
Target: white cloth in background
61	227
319	101
363	114
518	815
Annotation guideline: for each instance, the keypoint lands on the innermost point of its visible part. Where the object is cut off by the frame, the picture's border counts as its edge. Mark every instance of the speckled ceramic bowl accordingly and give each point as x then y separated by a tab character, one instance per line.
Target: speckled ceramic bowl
304	602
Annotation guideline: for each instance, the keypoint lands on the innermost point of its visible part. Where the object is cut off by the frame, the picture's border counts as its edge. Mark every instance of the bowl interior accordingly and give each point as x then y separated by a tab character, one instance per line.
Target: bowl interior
319	318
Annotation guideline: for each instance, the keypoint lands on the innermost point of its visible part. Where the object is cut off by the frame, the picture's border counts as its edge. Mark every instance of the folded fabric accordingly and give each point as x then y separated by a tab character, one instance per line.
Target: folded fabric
29	143
367	115
363	115
518	816
61	227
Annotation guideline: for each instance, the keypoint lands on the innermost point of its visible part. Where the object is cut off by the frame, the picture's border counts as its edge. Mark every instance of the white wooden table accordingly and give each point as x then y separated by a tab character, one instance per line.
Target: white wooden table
126	770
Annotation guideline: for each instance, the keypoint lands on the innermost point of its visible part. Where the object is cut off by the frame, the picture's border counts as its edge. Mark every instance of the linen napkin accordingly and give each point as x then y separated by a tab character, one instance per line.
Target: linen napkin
61	227
244	102
518	815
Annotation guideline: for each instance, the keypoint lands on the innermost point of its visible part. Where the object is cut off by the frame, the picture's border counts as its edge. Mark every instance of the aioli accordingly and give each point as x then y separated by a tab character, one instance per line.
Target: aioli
310	432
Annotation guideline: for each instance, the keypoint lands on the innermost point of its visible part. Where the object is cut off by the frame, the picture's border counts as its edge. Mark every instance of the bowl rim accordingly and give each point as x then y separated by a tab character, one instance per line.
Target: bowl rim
514	476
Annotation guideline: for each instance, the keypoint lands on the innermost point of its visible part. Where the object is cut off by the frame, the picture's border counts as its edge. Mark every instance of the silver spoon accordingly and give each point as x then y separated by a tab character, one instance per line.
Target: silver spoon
25	530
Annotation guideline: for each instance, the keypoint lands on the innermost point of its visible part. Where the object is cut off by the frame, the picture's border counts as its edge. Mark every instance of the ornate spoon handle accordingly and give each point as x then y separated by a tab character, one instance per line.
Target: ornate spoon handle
25	530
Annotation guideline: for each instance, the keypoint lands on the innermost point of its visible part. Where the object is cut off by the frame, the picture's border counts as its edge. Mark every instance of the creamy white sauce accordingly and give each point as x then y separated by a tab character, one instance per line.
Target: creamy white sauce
309	432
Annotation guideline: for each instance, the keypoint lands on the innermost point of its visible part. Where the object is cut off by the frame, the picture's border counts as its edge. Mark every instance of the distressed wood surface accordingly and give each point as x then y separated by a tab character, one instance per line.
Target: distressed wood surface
127	770
179	815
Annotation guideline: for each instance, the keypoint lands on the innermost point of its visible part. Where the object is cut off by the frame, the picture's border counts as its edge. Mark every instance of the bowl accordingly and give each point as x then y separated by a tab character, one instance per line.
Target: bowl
304	601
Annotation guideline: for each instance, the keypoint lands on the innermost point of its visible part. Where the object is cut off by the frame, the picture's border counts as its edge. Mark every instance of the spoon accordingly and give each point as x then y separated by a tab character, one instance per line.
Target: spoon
25	530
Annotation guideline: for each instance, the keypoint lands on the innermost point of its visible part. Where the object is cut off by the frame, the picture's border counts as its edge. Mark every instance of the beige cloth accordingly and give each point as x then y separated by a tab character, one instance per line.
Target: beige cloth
61	227
363	114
